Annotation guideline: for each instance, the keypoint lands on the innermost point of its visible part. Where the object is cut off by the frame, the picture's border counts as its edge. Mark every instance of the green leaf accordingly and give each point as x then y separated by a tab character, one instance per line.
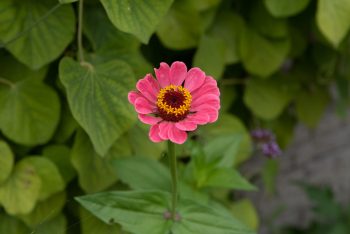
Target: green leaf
29	112
139	18
266	24
245	212
15	71
51	179
266	98
67	125
97	96
197	218
92	225
142	173
20	192
229	125
6	161
318	100
95	173
61	156
261	56
45	210
109	43
210	56
286	8
137	212
182	26
143	212
26	30
142	145
57	225
10	225
227	178
333	19
66	1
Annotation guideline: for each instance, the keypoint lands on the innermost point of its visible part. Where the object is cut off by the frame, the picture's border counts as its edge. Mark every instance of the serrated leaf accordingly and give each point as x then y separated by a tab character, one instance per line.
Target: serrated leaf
286	8
51	179
95	173
20	192
210	56
261	56
10	225
6	161
45	210
266	98
29	36
245	212
318	100
29	112
333	19
227	178
61	156
143	212
139	18
97	96
228	27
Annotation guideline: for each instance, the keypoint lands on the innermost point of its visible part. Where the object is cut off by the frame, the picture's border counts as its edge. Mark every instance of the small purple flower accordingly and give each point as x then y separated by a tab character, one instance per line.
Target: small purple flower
262	135
271	149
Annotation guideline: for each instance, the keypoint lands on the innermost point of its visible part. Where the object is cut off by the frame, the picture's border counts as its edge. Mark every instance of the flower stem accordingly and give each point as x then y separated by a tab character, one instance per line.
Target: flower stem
173	171
80	32
6	82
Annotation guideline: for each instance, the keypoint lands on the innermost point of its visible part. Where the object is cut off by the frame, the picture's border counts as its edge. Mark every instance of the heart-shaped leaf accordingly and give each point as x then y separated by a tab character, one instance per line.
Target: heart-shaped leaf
139	18
29	112
286	8
27	29
6	161
97	96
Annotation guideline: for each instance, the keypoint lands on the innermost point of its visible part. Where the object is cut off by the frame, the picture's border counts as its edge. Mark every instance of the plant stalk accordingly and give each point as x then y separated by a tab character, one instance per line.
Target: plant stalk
6	82
80	32
173	171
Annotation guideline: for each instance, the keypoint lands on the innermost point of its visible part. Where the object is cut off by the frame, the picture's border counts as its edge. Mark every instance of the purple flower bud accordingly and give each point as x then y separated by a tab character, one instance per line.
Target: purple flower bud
271	149
262	135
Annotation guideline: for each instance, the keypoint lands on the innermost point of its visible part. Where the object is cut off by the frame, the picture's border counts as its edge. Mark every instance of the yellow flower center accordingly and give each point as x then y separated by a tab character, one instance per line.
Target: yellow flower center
174	103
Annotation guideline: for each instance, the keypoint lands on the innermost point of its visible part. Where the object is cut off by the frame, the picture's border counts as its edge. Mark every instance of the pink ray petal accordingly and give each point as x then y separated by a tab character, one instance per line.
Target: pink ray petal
149	87
133	95
164	130
176	135
186	125
178	72
209	99
148	119
194	79
154	133
143	106
210	111
162	74
198	118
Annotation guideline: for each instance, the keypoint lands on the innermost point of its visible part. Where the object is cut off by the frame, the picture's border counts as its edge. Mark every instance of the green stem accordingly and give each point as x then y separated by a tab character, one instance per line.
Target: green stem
80	32
173	171
6	82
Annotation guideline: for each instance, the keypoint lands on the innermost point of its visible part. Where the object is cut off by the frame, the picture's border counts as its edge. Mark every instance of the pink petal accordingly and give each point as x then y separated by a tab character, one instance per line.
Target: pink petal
209	99
148	119
194	79
162	74
209	87
210	111
198	118
186	125
154	133
164	129
178	72
177	136
143	106
149	87
132	96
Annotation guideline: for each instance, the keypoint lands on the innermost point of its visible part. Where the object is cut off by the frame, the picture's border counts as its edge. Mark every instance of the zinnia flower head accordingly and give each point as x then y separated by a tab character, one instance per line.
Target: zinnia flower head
176	101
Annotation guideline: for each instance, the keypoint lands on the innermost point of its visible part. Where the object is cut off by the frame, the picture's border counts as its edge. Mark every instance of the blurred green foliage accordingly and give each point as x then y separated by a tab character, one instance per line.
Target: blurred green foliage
62	123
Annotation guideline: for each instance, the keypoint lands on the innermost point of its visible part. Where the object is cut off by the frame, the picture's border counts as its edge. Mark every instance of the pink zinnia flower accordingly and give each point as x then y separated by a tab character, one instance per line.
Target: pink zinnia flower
176	101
